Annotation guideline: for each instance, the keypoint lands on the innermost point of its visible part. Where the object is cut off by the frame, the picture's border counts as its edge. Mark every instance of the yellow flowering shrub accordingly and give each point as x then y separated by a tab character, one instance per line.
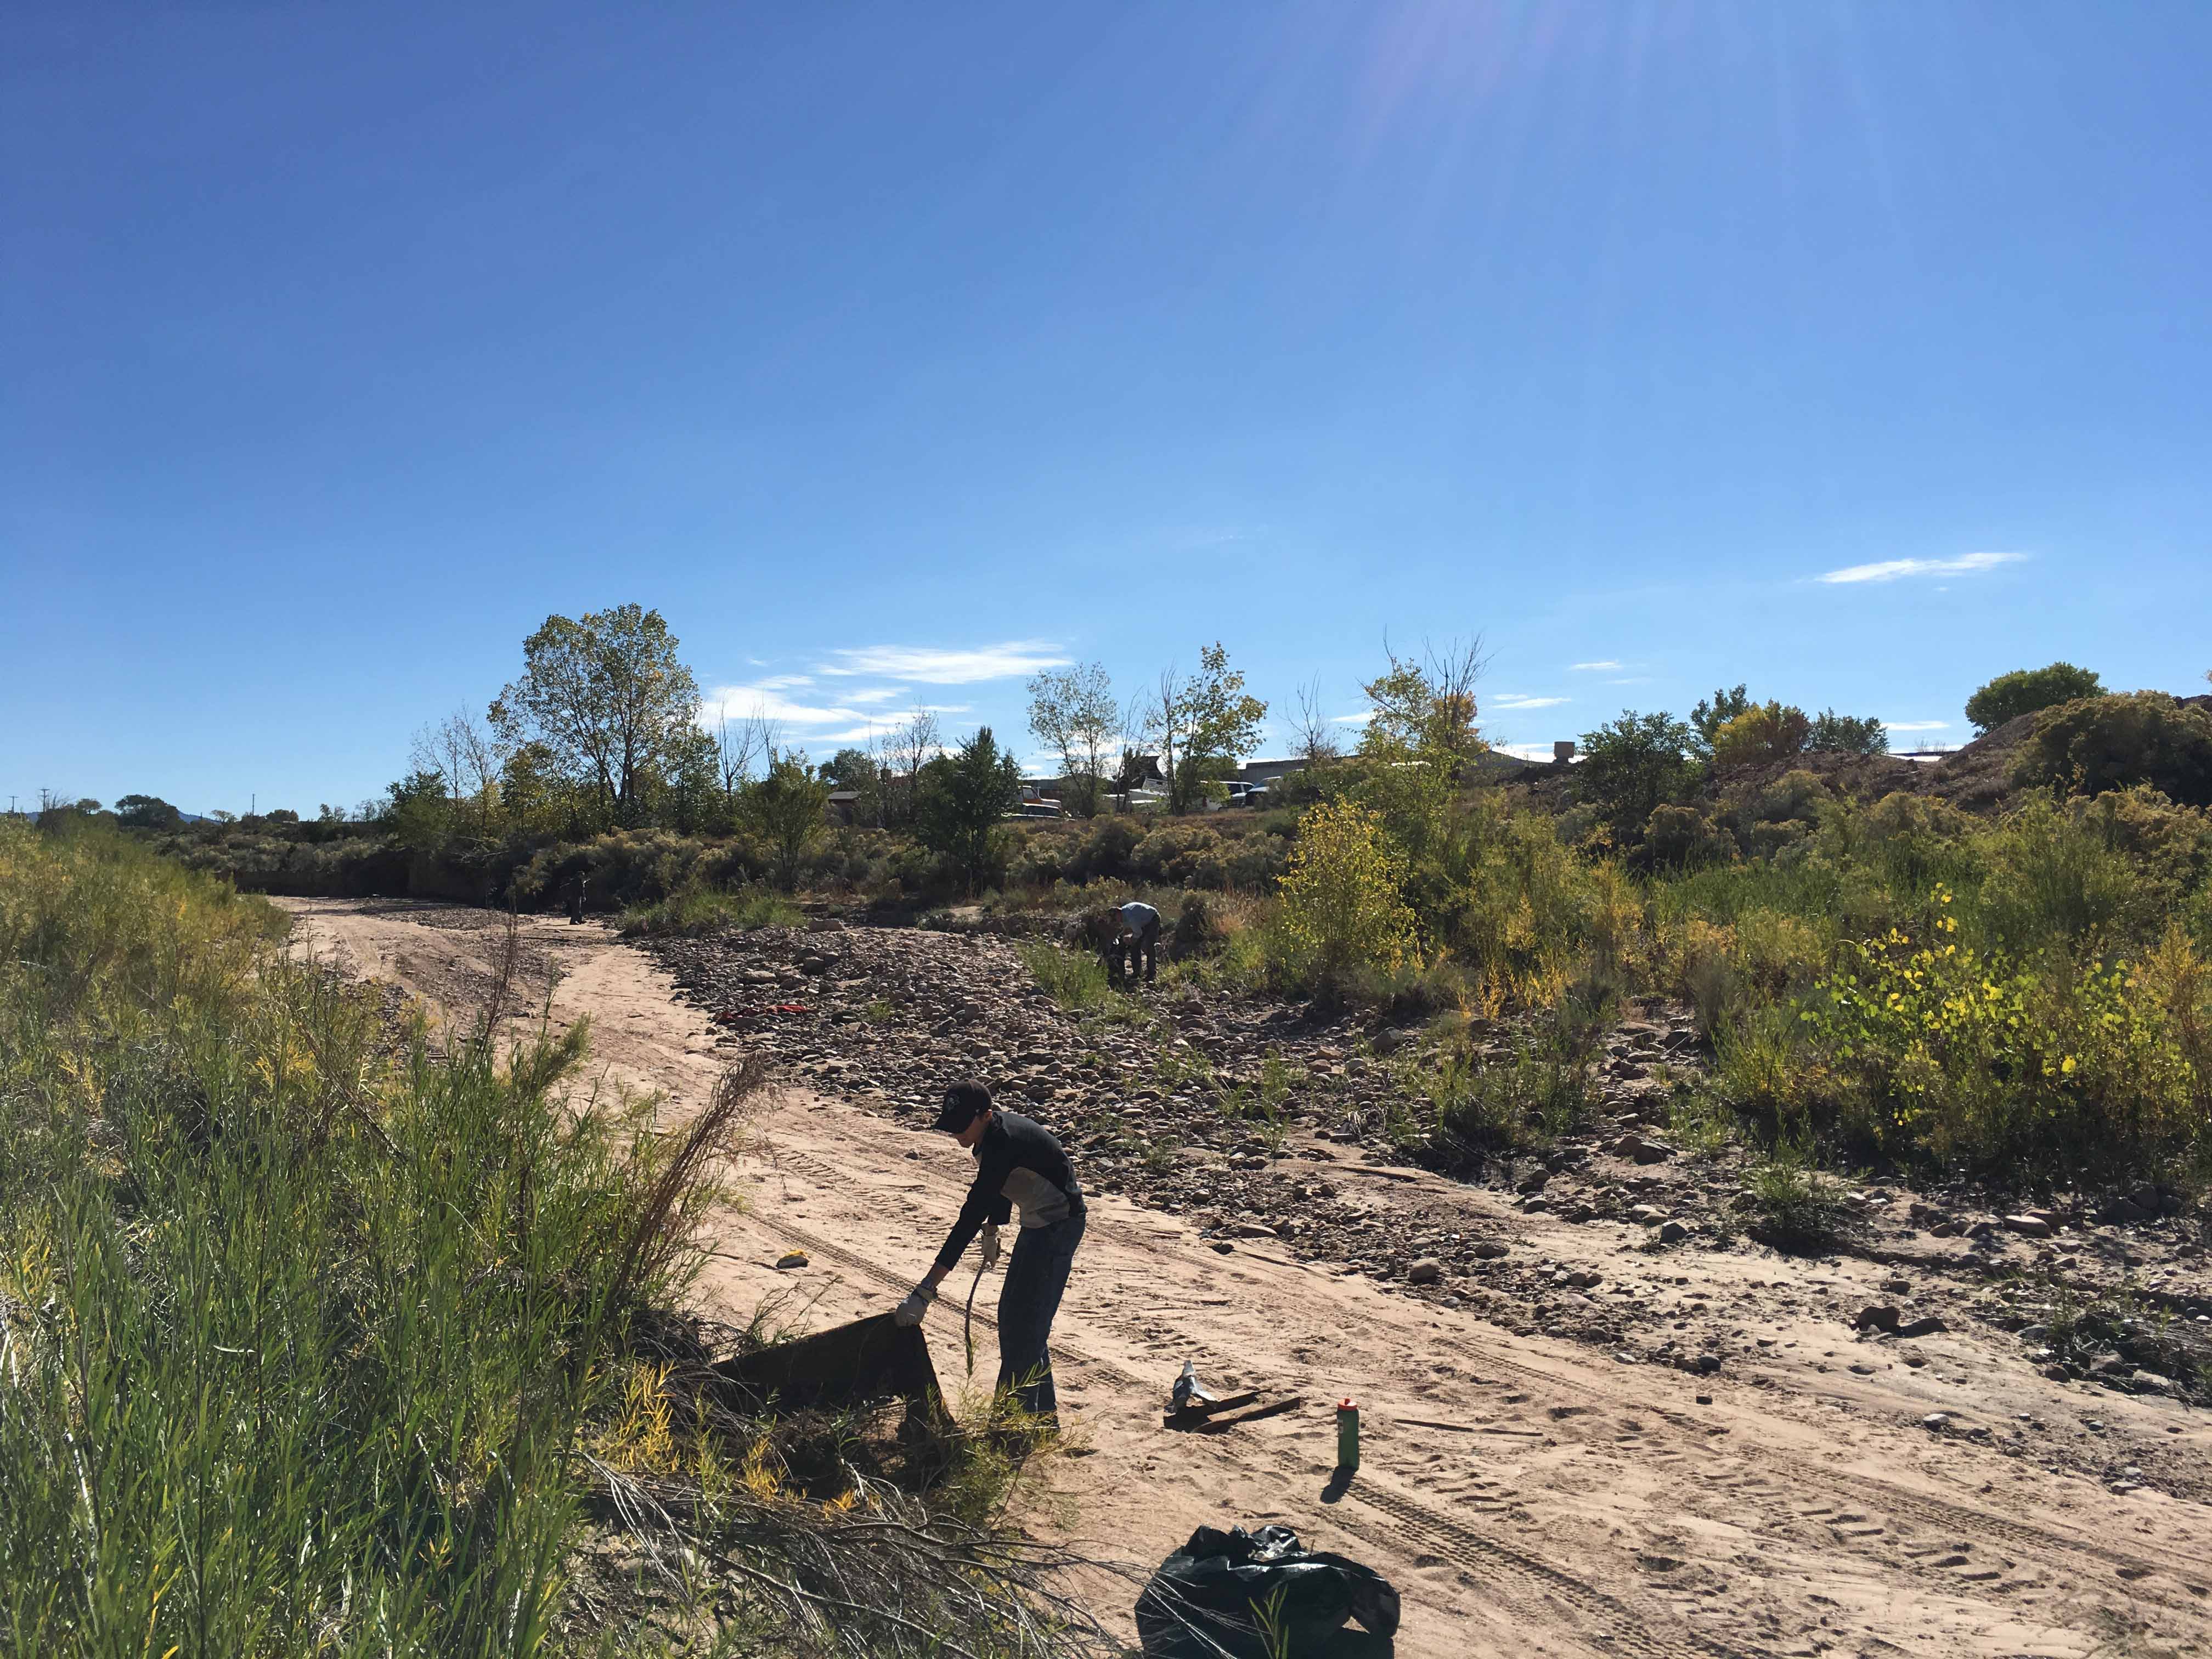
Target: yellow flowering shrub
1964	1052
1342	900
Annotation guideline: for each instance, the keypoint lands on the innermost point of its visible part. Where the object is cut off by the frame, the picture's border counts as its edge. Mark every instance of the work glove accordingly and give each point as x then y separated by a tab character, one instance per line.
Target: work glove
990	1245
910	1312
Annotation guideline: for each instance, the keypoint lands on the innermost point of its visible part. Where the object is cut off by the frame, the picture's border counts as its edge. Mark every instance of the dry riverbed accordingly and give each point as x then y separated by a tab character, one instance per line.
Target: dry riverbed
1600	1416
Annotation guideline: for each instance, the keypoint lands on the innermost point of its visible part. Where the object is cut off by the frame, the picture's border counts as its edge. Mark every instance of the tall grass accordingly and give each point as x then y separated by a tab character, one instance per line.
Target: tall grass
1076	980
1480	1110
315	1341
299	1326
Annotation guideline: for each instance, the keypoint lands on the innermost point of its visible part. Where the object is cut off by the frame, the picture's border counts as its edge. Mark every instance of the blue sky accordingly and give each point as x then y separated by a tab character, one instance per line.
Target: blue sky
923	344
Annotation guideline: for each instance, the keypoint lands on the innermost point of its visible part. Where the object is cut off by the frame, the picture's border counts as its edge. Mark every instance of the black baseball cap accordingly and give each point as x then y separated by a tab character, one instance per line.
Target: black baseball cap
963	1103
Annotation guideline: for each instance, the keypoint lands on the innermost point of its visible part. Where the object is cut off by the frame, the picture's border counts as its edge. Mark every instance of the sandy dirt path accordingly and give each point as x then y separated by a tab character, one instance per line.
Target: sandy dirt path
1525	1495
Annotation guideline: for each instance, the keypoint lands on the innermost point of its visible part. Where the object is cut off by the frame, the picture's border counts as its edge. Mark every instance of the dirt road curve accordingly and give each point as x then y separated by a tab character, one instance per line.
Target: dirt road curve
1527	1495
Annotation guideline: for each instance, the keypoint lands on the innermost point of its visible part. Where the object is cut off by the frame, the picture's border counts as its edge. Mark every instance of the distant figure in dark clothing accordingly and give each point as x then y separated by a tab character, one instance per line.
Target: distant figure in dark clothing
1019	1165
576	896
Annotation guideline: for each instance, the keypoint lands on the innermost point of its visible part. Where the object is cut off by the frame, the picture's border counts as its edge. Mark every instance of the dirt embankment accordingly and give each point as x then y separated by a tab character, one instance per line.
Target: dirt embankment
1530	1486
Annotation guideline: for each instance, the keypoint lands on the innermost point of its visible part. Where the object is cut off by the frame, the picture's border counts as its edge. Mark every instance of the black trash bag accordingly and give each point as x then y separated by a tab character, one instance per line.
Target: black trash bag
1222	1594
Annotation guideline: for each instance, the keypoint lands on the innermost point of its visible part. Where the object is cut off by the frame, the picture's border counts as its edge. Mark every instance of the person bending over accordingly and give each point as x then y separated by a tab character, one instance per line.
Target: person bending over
1018	1165
1138	935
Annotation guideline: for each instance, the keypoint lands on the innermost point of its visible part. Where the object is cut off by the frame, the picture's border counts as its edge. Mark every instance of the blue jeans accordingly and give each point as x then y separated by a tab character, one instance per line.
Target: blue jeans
1036	1275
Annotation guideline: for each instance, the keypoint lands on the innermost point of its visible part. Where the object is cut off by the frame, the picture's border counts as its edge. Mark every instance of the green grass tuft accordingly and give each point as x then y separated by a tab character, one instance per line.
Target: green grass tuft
693	911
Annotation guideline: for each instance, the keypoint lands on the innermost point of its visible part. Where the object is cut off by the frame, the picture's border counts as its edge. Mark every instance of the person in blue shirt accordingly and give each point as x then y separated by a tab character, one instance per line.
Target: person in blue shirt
1018	1166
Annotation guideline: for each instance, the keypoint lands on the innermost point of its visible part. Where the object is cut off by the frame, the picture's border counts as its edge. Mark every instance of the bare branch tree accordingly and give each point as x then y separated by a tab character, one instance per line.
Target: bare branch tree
911	745
465	752
1162	720
754	738
1427	703
1453	672
1312	734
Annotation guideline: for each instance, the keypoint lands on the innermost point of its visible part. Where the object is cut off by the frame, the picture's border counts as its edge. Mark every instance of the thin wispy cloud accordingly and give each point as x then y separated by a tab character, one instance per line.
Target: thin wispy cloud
1916	725
1591	668
1512	699
1194	538
1890	570
933	665
1360	718
764	700
875	694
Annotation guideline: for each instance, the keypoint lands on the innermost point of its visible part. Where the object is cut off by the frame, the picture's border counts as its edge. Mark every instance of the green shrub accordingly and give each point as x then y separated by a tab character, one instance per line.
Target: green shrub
1911	839
1683	838
2063	878
358	866
1196	930
1105	854
2096	744
1179	854
2028	690
1632	766
1761	957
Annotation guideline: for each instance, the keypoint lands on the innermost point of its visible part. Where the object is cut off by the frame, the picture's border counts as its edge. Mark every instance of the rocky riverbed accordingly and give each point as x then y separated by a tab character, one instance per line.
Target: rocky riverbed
1272	1130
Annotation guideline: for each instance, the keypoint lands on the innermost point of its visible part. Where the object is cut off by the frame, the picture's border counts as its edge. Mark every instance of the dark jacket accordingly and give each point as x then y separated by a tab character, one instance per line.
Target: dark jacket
1012	1143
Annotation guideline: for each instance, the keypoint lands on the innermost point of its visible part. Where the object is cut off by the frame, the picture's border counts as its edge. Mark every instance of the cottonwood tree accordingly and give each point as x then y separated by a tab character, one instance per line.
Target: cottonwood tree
607	696
147	812
1765	732
1212	718
856	770
1155	716
687	793
1419	735
1074	712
